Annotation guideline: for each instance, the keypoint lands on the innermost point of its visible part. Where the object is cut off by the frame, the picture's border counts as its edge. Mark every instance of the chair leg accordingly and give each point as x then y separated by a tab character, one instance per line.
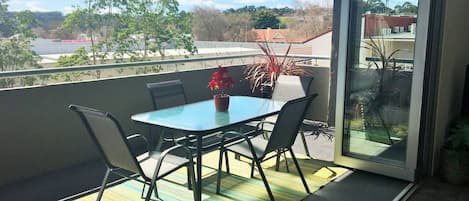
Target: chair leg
252	169
220	163
189	180
286	162
143	191
155	189
150	189
267	187
227	163
103	185
299	171
192	176
277	160
305	145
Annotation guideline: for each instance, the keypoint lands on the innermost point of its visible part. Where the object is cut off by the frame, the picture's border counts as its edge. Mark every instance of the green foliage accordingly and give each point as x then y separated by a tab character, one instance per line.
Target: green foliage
459	136
16	54
356	124
264	19
7	28
375	6
400	130
406	8
148	69
24	21
15	48
79	57
75	21
252	9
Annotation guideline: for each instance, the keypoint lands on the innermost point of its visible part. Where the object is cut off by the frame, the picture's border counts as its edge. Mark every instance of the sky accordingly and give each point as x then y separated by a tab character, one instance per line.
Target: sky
66	6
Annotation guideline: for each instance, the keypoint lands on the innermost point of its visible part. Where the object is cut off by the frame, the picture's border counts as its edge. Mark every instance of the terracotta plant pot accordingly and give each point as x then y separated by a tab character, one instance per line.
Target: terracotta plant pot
222	101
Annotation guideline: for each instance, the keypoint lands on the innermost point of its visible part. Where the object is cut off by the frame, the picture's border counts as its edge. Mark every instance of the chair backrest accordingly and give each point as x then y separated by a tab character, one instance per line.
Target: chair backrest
289	87
108	136
288	123
167	94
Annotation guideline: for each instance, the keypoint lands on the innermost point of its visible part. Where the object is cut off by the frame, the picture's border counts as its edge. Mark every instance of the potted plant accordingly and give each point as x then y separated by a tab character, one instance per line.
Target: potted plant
455	154
262	75
221	81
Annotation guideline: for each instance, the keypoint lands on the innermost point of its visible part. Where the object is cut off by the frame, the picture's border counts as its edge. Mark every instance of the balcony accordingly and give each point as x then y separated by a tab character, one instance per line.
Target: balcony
42	137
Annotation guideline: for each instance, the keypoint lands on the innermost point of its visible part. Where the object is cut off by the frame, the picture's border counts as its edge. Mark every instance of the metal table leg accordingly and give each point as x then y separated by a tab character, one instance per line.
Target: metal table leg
198	185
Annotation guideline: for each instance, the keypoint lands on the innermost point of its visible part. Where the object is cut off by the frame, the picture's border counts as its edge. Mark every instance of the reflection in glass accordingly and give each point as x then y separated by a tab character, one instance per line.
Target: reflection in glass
379	78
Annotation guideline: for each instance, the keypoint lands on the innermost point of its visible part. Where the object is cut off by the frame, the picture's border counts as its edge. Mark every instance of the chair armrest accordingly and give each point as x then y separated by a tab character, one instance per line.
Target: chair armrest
260	125
241	135
132	138
176	147
166	152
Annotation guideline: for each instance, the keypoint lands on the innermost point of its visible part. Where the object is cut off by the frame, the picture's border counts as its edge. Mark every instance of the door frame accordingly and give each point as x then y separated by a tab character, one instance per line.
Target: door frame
340	54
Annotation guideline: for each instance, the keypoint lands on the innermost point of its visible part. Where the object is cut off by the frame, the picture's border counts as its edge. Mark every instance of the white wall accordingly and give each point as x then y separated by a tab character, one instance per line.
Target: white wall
322	46
453	61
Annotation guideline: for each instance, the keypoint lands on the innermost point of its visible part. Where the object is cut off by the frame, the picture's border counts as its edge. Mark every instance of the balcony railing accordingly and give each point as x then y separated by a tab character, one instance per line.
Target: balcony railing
29	72
46	76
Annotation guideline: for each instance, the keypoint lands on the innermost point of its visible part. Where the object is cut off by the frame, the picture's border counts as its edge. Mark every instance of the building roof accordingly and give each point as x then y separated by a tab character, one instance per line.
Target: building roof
318	35
277	36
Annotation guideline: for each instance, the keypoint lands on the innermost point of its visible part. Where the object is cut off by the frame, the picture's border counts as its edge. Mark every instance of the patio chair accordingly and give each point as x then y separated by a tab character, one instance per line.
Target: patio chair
114	148
289	87
281	140
164	95
170	94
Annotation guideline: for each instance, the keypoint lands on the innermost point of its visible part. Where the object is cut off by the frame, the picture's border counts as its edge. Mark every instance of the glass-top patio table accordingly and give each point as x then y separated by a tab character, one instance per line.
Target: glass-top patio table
201	119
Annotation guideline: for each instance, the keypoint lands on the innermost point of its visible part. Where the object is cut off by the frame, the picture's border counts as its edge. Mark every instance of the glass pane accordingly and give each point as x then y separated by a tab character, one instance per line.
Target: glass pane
379	79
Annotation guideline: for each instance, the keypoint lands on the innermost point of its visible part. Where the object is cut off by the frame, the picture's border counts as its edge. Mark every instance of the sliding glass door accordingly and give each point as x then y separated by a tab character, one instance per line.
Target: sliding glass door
380	68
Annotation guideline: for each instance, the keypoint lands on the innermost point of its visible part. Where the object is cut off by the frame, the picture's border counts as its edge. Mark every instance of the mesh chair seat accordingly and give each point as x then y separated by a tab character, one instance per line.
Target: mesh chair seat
259	144
148	162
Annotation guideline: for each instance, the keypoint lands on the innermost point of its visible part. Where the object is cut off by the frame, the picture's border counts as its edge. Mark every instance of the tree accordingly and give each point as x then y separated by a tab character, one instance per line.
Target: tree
78	58
264	19
208	24
75	22
375	6
213	25
153	25
6	23
88	21
239	28
406	8
309	20
15	46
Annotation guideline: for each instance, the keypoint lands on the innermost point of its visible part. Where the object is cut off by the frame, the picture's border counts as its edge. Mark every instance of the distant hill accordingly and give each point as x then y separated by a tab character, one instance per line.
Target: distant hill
49	20
46	21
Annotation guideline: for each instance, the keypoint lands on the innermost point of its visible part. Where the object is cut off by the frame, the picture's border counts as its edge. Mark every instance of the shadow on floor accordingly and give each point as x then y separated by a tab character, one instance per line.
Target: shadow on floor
58	185
360	186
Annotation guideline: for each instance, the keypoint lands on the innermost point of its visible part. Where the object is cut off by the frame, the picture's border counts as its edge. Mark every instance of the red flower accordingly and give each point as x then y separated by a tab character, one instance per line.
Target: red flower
221	80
